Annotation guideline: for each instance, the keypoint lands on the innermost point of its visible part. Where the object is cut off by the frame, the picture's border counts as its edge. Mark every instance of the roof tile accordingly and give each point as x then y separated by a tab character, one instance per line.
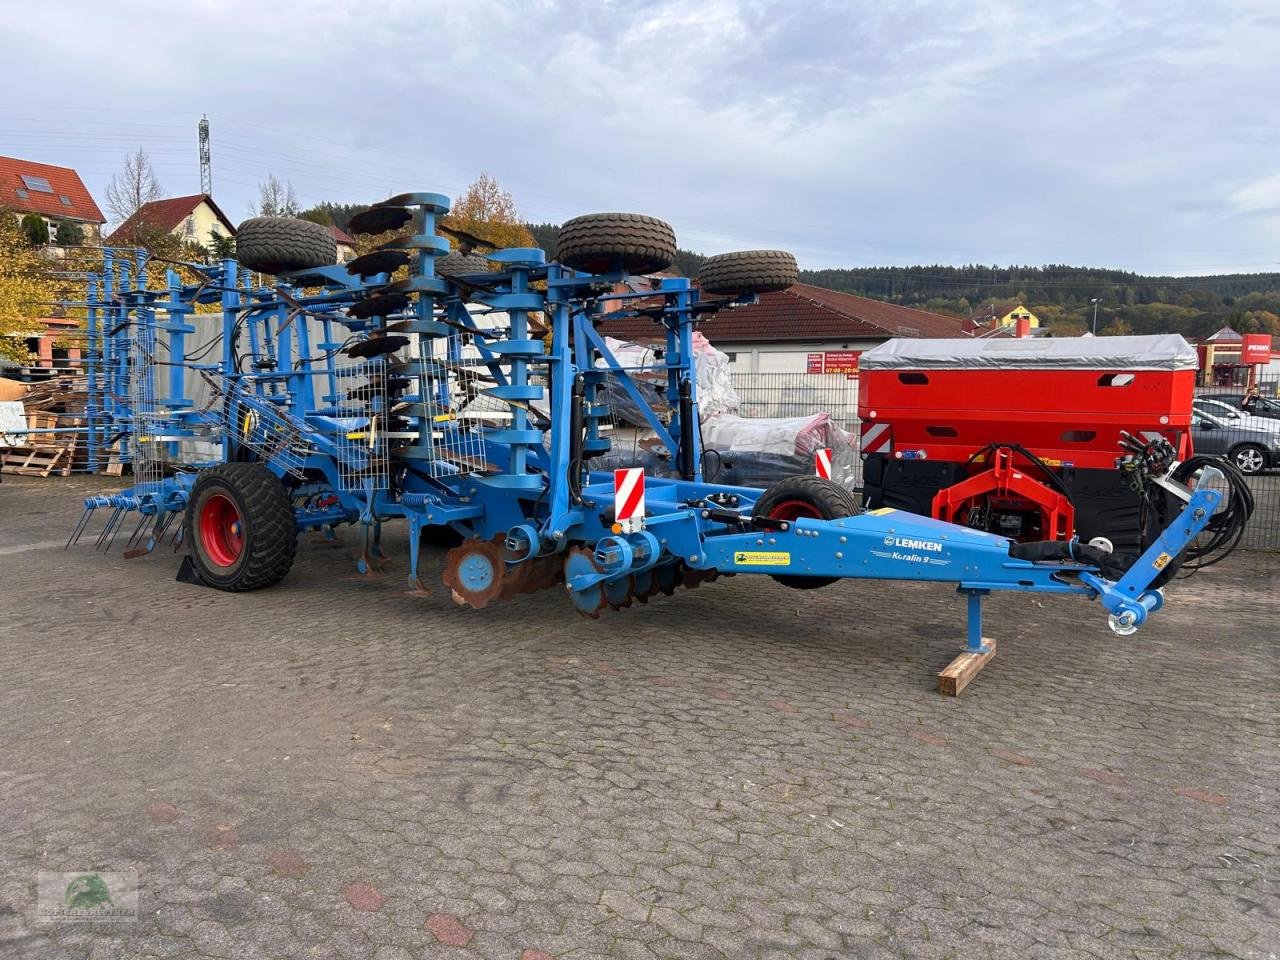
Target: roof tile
63	181
804	312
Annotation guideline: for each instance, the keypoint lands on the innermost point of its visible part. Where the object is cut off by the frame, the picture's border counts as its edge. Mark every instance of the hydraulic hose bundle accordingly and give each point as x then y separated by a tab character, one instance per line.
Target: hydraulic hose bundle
1226	528
1144	460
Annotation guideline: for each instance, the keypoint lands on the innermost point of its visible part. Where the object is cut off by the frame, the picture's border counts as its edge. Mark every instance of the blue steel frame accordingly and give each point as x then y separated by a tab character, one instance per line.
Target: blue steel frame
536	493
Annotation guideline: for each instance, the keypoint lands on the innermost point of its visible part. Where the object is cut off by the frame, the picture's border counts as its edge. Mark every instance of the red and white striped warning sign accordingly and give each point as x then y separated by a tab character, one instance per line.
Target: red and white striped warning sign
628	495
822	460
876	438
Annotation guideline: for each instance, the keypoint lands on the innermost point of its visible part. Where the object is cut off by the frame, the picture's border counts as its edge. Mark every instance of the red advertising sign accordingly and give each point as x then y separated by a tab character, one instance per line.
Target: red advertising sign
1256	348
834	361
841	361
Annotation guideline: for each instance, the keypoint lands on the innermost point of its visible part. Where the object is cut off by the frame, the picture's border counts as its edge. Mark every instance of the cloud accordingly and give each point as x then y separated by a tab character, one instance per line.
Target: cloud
852	132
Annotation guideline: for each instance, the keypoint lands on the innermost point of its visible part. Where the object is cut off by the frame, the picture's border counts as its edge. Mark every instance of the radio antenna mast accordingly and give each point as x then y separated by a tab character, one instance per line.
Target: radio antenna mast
206	161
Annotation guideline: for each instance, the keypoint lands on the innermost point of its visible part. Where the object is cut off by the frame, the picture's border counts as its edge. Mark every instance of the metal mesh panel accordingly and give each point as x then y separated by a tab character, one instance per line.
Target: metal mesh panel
457	407
361	424
271	434
147	452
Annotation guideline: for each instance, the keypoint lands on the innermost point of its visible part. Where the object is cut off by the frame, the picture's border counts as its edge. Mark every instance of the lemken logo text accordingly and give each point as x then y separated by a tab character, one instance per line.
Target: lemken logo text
909	543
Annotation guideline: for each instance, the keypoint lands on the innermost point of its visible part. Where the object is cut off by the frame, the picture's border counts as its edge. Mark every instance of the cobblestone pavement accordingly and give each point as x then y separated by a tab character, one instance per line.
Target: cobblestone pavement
333	768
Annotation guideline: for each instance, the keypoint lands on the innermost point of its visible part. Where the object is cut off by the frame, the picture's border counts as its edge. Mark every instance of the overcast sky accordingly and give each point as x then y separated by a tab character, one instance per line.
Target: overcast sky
1128	134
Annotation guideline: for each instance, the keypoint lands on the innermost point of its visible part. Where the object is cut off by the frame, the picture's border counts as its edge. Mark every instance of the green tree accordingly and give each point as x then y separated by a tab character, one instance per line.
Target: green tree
69	234
220	247
35	230
317	215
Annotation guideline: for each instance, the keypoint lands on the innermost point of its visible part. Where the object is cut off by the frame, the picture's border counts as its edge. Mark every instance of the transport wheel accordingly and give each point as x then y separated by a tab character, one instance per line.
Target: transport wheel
282	244
455	264
794	497
748	271
1249	458
605	242
240	525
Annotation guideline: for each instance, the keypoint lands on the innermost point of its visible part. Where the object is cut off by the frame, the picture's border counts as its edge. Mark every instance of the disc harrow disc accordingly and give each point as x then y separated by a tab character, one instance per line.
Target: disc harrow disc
668	578
518	578
695	578
475	572
380	261
379	305
379	220
592	600
642	585
619	593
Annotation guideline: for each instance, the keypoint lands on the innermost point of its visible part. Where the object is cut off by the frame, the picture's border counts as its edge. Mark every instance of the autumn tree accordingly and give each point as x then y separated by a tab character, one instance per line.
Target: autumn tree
26	290
276	199
134	186
488	212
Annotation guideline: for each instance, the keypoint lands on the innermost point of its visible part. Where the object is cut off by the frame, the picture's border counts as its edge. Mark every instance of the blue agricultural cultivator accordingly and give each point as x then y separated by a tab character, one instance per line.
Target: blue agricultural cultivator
327	394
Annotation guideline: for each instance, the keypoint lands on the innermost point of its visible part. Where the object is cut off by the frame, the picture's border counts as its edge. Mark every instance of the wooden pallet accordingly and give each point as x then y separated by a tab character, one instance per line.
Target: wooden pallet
37	460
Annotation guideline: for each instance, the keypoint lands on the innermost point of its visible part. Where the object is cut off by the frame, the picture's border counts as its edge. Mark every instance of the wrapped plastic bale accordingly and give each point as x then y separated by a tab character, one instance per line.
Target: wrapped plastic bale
715	382
757	451
750	452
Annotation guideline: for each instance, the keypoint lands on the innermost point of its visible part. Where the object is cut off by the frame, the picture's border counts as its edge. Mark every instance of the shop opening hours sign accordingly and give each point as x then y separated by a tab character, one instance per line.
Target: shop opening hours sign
834	361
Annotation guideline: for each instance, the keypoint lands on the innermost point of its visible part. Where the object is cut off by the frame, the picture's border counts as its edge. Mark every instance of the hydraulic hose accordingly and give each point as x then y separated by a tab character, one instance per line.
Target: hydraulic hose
1227	526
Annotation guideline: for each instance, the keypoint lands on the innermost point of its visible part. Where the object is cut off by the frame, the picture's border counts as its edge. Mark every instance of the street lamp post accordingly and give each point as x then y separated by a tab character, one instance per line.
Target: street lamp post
1094	301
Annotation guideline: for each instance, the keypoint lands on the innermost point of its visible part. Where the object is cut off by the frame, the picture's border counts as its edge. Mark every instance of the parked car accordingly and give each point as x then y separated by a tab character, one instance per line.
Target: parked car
1268	407
1224	410
1251	443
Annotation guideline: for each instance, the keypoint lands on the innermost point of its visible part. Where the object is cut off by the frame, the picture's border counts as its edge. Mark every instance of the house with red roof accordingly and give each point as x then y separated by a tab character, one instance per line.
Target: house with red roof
803	329
194	219
55	193
345	243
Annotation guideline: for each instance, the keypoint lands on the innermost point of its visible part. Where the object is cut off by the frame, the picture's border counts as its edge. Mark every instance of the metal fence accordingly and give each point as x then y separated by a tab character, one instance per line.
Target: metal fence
799	395
1243	426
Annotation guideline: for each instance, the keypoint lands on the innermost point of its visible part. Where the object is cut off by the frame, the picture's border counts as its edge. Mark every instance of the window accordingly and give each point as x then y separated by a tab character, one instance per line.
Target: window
39	184
66	201
190	226
22	194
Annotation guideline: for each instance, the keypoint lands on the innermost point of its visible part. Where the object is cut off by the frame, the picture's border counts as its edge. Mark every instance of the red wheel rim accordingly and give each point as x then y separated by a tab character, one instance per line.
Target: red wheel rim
221	530
794	510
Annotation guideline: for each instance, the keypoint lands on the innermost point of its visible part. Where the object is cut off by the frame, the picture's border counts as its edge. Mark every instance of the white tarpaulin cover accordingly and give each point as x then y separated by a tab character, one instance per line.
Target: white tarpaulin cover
1165	351
715	382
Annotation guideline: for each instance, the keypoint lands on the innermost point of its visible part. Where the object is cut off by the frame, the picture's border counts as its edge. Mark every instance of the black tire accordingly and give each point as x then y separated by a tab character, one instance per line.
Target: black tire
1250	458
828	500
284	244
605	242
455	264
262	551
748	271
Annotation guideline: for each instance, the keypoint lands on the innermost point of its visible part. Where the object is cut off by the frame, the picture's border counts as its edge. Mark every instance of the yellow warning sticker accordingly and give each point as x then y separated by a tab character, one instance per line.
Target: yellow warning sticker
1161	561
761	558
881	511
